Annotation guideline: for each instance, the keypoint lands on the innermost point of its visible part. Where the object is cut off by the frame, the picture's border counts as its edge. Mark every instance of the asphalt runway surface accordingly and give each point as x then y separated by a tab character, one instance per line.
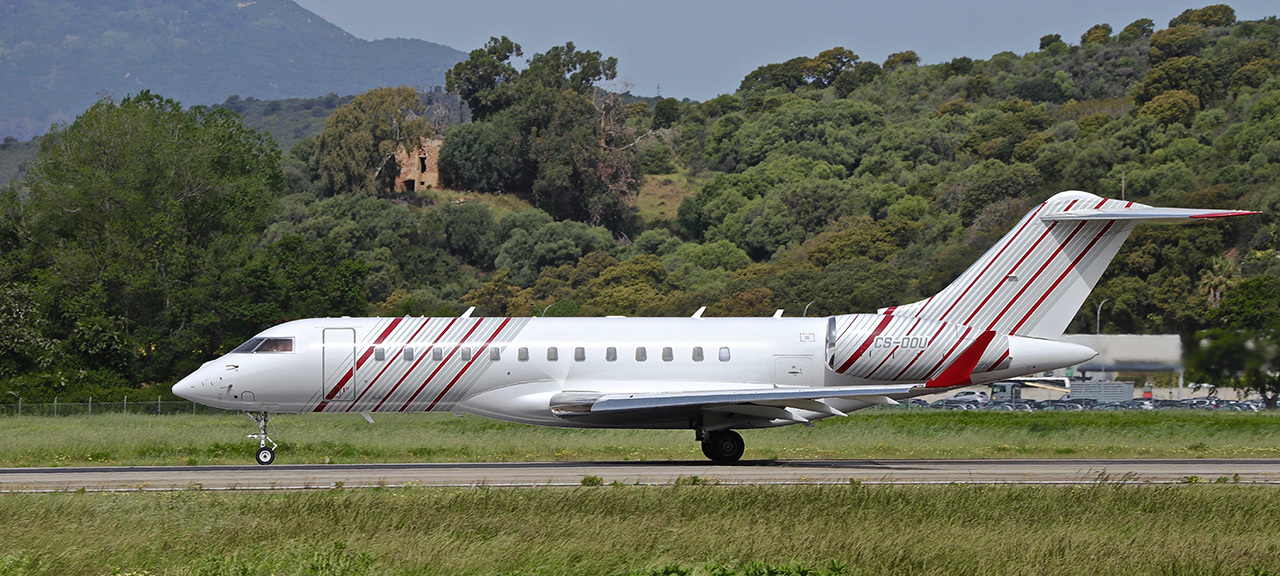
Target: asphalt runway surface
504	474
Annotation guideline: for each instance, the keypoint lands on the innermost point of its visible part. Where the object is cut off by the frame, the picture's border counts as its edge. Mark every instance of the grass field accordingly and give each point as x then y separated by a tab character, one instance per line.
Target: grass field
712	530
136	439
661	194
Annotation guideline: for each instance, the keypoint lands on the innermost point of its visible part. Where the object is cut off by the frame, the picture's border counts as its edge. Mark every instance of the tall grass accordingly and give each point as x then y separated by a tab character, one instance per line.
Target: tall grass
133	439
852	529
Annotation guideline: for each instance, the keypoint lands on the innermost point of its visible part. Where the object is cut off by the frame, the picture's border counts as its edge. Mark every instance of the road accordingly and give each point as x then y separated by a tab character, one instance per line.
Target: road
318	476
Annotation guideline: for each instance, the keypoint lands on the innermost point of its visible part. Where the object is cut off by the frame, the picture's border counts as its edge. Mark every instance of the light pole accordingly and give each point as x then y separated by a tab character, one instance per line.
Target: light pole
805	314
1097	324
548	307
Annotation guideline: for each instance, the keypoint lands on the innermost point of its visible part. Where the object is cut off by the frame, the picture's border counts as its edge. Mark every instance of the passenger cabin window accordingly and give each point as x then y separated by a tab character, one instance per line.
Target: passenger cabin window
522	354
667	354
494	354
379	354
408	354
724	354
611	354
437	354
261	345
553	354
641	354
466	353
579	354
697	353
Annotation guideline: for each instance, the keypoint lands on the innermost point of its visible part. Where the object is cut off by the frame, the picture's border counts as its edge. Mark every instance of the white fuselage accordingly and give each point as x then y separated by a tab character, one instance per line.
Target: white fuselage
514	368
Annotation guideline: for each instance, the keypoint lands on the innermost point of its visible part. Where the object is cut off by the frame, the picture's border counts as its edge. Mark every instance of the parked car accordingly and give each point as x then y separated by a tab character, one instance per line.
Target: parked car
973	395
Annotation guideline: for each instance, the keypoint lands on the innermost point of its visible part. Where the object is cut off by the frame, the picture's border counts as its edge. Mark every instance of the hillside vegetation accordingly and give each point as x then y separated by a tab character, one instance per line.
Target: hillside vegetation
826	179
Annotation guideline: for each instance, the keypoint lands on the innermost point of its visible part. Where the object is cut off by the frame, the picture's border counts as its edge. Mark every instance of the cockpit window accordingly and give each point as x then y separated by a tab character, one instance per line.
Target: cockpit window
248	347
263	345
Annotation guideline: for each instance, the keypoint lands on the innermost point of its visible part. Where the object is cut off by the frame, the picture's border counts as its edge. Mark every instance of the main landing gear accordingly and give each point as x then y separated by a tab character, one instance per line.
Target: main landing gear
265	455
722	446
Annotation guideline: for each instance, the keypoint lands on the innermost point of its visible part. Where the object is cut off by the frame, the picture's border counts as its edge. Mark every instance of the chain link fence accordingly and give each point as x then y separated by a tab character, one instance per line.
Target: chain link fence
90	408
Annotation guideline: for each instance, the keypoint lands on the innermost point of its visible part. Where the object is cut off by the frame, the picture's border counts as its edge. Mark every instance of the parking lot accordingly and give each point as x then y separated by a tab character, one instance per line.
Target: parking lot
979	401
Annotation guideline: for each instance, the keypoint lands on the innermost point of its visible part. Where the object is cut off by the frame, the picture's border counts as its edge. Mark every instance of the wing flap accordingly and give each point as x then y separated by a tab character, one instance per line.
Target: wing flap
571	404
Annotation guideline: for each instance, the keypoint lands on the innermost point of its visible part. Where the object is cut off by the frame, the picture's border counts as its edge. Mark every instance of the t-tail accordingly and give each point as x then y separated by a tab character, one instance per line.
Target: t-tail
1034	280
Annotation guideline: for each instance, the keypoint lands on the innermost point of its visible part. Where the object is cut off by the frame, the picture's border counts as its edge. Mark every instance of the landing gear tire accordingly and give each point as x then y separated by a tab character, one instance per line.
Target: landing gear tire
266	454
724	446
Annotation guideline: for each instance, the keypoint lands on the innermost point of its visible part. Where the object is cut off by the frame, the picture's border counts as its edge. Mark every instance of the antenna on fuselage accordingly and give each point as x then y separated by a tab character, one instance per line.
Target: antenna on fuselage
467	314
698	314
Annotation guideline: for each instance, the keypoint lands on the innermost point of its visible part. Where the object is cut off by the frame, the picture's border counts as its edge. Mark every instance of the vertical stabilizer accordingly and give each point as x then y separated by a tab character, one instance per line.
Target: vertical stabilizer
1032	282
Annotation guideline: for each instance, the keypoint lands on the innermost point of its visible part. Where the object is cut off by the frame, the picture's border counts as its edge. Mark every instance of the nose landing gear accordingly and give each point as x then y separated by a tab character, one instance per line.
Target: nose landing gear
265	455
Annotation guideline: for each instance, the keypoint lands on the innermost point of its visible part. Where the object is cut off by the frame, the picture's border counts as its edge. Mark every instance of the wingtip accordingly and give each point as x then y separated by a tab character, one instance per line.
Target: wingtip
1227	214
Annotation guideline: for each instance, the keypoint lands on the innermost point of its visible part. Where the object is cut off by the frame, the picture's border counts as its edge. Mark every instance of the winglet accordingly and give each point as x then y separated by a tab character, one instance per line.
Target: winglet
960	371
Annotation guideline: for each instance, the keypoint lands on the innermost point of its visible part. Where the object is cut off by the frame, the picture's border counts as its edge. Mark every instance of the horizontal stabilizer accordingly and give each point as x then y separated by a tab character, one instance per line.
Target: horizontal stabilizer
1141	212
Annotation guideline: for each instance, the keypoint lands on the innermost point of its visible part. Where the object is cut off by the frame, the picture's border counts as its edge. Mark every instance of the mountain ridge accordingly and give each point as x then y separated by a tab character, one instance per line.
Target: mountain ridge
57	57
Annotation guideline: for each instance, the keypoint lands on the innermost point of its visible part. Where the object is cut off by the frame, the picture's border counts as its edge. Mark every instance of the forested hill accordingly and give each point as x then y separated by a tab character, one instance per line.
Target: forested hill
57	55
825	184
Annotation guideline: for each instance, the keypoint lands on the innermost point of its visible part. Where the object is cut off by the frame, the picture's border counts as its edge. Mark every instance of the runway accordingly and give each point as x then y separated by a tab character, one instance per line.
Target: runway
519	474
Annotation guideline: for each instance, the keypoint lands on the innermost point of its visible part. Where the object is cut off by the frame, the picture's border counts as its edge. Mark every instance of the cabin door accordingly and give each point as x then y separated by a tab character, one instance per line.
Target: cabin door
339	365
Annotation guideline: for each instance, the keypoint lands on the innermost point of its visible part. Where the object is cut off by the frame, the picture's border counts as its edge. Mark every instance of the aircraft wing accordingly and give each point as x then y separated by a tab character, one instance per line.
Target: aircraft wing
763	402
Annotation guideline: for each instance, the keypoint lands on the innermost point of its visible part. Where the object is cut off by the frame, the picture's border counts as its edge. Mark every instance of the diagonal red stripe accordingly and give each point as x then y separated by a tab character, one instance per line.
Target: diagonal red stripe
360	362
421	357
967	329
1025	255
890	354
1043	266
976	279
1070	267
442	364
865	344
374	382
474	357
920	353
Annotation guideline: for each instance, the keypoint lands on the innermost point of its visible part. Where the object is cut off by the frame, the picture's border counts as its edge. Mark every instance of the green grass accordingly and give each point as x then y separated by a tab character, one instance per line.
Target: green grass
136	439
661	194
851	529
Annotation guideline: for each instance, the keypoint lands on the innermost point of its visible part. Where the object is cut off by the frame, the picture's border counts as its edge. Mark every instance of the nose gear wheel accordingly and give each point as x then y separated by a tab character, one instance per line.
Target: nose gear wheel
265	455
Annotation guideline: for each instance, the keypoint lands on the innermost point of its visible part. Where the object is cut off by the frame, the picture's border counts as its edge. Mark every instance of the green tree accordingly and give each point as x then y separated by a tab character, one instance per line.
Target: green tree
788	75
1136	30
863	73
666	112
1176	42
136	218
1049	39
1215	15
1173	106
904	58
480	156
824	68
480	79
1242	348
1096	34
550	135
358	145
1186	73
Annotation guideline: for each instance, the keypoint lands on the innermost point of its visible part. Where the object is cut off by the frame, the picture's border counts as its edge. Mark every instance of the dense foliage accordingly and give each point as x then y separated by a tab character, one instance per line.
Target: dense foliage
824	182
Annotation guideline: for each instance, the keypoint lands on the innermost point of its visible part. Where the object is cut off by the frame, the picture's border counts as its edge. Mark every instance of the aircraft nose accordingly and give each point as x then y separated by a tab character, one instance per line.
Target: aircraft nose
185	388
195	387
